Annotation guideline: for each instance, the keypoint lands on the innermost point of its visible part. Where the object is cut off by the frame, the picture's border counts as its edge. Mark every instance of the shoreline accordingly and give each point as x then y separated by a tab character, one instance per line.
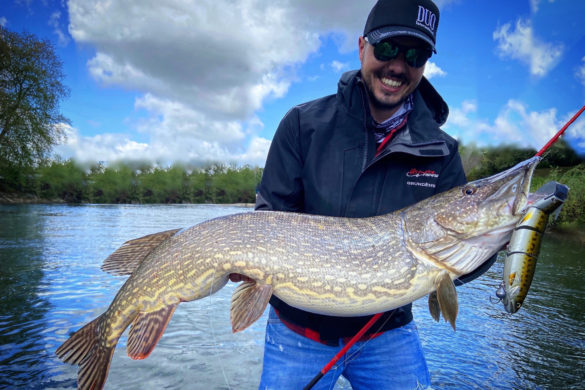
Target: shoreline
16	199
7	198
572	232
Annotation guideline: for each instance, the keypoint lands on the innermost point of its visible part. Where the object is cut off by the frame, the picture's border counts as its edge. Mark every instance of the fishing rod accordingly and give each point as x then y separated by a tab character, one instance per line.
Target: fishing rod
375	317
560	132
343	350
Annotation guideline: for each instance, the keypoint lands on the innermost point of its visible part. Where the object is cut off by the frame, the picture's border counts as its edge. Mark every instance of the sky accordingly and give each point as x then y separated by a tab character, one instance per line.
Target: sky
198	81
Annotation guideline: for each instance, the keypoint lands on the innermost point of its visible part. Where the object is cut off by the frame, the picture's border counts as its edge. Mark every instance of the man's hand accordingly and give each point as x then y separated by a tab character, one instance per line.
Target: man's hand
240	278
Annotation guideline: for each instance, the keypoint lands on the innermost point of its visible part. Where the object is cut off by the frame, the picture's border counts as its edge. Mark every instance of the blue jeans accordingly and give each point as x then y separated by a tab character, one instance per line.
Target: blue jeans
393	360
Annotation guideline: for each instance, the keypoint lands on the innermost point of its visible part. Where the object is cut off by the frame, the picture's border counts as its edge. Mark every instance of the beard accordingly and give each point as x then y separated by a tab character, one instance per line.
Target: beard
380	105
385	102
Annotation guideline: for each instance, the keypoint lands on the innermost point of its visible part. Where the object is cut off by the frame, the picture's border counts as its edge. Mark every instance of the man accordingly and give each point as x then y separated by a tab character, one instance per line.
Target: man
371	149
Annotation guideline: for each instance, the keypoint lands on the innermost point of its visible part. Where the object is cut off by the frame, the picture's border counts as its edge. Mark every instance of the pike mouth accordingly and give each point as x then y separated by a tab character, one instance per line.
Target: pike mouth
524	198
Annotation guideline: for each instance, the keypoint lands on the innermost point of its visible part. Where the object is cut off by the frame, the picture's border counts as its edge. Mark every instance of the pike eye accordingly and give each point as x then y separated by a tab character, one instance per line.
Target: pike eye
469	190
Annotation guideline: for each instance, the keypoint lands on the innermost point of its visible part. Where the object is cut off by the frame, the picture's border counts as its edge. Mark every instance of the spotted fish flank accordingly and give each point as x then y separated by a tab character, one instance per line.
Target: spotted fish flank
326	265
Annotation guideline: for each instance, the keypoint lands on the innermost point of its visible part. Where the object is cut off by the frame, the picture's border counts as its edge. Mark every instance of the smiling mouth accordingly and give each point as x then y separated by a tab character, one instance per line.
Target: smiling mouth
391	83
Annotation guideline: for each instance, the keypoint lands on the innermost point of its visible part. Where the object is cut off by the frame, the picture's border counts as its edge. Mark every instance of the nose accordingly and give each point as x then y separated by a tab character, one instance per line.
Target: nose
398	64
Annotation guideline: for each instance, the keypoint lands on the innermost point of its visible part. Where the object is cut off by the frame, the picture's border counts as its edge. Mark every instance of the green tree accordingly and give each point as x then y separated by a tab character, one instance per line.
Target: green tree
561	154
113	185
63	180
163	186
31	87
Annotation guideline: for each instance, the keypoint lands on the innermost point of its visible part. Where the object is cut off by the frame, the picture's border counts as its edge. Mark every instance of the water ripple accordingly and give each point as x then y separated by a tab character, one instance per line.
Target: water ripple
51	285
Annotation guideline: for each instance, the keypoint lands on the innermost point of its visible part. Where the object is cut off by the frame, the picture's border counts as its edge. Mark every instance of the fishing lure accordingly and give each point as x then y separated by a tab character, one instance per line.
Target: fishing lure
524	246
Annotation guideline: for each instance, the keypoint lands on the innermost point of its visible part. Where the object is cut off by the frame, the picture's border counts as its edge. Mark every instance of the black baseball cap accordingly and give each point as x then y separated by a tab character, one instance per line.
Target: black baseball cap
393	18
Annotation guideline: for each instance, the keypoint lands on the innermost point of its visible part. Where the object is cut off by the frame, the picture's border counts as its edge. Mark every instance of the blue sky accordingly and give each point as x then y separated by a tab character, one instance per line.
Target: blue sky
209	80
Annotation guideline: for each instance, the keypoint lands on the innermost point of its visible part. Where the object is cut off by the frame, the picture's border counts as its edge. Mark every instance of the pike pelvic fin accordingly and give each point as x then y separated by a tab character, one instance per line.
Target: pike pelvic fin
248	303
129	256
434	307
447	299
146	330
85	349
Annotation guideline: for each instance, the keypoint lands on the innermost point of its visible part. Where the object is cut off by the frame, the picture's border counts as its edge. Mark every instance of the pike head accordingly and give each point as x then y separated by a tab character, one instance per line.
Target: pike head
463	227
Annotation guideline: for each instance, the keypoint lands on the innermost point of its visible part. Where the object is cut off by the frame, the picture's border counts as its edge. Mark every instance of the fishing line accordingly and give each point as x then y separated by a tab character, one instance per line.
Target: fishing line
346	348
353	356
214	336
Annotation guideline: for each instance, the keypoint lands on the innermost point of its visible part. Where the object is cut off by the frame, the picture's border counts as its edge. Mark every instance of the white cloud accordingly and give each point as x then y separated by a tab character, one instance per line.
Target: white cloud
433	70
460	117
218	56
535	5
339	67
521	44
3	21
54	22
577	129
515	124
204	67
581	72
112	148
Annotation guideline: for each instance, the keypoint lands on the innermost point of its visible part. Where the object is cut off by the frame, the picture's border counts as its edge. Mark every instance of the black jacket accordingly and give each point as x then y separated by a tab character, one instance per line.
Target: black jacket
322	161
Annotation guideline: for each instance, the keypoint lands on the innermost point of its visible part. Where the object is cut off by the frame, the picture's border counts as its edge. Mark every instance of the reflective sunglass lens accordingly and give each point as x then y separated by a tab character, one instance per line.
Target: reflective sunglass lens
415	57
385	51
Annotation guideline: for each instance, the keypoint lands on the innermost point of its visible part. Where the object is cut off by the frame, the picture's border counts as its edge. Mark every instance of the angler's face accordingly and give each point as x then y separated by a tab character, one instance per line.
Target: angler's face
388	82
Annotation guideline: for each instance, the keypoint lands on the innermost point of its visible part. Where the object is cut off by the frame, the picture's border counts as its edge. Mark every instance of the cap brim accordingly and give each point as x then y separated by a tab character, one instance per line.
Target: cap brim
383	33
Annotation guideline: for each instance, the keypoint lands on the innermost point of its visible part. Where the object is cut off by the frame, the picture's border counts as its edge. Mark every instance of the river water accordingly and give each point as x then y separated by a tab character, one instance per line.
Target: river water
51	284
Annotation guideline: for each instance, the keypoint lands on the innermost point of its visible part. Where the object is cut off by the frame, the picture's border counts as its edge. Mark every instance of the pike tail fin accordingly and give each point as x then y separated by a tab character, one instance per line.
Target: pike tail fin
248	303
86	349
147	330
444	299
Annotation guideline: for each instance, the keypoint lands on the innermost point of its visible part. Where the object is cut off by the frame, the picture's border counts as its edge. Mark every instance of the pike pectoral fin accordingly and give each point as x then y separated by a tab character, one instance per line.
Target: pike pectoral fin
146	330
447	297
129	256
434	307
248	303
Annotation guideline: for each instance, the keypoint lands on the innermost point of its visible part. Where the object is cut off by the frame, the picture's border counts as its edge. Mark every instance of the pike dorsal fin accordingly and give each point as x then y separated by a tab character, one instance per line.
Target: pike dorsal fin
248	303
129	256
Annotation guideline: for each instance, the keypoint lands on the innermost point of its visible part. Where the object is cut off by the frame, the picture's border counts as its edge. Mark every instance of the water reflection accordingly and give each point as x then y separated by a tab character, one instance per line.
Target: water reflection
23	307
542	346
51	285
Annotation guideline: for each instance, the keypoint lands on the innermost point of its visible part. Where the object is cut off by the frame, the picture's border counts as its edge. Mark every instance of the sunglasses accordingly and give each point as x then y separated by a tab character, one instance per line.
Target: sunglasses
413	56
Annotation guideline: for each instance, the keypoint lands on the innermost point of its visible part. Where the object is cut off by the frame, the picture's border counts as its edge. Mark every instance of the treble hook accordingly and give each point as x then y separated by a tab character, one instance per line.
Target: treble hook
500	294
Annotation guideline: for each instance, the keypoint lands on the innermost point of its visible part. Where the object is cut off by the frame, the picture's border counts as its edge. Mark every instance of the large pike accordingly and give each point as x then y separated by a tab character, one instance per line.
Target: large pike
327	265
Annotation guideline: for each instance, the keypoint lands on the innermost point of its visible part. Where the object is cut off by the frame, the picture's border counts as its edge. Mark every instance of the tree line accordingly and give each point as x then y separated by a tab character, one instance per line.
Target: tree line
70	182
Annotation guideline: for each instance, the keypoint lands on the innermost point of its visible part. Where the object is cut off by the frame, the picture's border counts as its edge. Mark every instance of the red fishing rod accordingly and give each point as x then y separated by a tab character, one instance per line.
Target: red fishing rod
560	132
375	317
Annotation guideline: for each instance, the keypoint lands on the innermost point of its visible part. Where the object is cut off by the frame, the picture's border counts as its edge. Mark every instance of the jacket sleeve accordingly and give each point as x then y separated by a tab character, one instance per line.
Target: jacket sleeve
453	174
281	187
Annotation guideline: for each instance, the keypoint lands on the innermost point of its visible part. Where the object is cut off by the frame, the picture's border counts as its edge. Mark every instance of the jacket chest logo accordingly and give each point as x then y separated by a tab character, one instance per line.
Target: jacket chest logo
418	173
422	178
